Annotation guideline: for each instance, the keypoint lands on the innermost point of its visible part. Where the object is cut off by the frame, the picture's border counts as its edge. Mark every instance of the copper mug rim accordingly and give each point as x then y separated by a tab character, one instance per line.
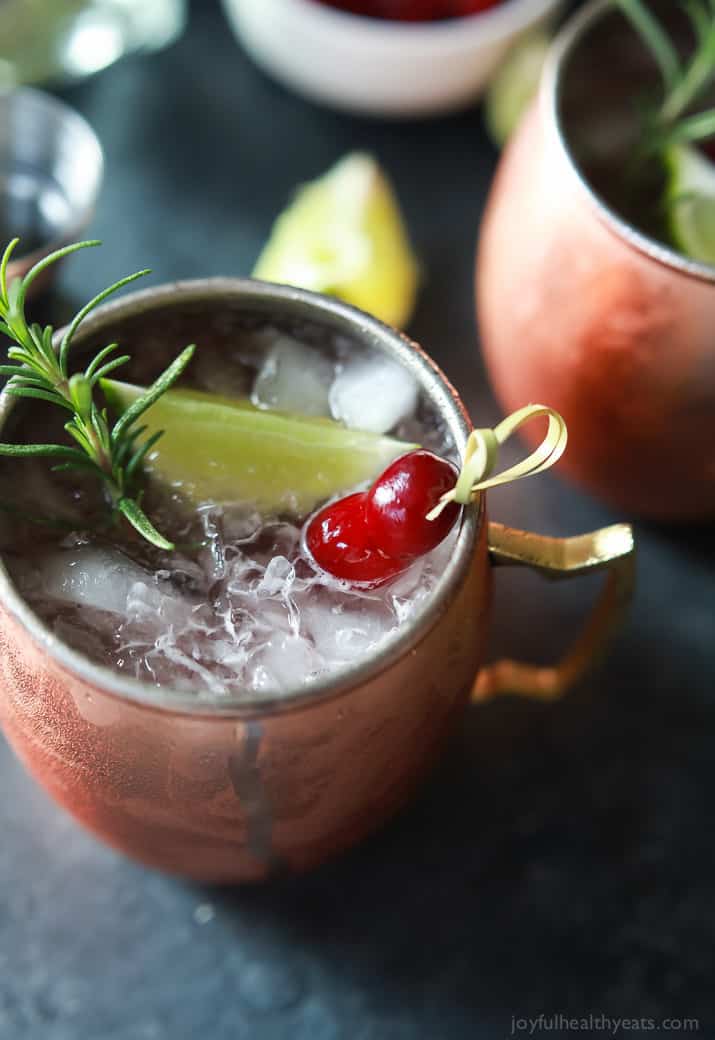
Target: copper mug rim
562	50
278	300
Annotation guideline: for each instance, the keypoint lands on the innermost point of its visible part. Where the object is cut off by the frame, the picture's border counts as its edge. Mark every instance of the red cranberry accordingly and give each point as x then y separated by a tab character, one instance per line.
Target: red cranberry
339	541
412	10
398	502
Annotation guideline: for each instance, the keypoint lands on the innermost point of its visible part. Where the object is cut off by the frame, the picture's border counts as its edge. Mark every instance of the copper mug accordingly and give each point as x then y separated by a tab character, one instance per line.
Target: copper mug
578	306
231	791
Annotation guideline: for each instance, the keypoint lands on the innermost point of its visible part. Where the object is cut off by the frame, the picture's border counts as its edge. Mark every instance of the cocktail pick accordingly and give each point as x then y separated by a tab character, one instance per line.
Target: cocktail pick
482	450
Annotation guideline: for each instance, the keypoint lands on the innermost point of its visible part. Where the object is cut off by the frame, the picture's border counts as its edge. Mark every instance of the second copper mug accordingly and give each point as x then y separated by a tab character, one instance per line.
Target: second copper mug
232	791
579	307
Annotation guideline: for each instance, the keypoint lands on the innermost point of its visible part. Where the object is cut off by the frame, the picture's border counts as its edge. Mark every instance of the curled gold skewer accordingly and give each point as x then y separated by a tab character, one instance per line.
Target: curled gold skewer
480	456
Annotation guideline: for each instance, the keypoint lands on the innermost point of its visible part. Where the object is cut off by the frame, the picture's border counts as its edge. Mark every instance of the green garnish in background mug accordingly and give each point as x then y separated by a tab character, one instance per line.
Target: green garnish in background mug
675	124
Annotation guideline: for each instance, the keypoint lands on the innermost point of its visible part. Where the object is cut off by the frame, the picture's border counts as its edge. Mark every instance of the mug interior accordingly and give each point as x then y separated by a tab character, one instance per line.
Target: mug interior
153	326
595	80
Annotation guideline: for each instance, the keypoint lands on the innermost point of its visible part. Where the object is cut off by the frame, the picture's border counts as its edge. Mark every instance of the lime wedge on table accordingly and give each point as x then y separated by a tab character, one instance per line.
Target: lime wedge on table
224	449
343	234
514	84
690	202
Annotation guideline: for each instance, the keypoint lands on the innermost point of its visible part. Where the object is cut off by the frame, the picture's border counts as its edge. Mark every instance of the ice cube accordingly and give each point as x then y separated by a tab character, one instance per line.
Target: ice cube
213	556
407	583
148	610
228	379
373	394
87	576
240	523
263	596
284	662
231	656
277	579
167	646
341	634
294	378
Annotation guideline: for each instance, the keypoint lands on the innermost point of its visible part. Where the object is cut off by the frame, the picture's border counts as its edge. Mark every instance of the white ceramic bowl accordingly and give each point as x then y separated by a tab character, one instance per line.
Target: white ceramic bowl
375	66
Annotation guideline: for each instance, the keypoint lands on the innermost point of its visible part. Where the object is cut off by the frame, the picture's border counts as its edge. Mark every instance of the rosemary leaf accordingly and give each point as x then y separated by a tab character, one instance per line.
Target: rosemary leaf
80	394
77	432
52	258
141	522
699	18
104	370
99	425
694	128
29	378
15	295
9	249
134	434
82	462
126	448
698	76
82	314
99	358
44	349
39	395
158	387
20	370
19	354
655	39
54	450
141	453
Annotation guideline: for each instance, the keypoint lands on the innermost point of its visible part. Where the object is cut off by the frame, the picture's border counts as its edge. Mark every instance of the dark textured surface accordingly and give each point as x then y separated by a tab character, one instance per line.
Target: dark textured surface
561	860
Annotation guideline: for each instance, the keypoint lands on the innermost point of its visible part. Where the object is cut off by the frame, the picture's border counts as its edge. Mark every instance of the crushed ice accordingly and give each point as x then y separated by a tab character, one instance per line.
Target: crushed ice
269	623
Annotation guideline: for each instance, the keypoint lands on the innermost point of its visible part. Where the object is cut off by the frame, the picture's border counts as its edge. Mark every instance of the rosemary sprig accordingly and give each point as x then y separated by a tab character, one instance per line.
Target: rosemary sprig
655	38
685	81
114	453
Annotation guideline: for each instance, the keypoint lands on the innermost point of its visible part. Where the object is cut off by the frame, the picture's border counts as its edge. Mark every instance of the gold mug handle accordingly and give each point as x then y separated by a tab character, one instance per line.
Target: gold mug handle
612	550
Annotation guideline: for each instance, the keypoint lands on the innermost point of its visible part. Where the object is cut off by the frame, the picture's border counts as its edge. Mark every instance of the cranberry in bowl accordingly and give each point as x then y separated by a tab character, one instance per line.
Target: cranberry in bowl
412	10
384	57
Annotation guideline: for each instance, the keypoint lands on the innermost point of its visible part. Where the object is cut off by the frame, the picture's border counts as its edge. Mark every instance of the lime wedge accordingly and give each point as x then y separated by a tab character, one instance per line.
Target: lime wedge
514	84
223	449
690	202
343	234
